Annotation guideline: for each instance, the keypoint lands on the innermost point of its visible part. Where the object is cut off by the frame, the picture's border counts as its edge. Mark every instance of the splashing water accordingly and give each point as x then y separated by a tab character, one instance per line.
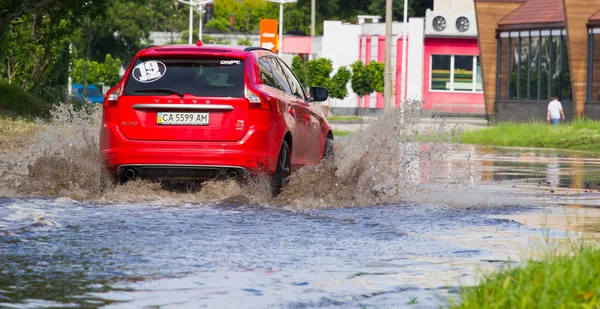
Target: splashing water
61	158
390	161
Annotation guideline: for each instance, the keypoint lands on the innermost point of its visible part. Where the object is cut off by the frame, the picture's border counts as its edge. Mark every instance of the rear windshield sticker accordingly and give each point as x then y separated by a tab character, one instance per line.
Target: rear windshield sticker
149	71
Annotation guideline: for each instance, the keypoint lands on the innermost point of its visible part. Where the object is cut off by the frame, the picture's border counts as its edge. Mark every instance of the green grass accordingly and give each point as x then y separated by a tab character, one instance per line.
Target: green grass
558	281
340	133
577	135
344	118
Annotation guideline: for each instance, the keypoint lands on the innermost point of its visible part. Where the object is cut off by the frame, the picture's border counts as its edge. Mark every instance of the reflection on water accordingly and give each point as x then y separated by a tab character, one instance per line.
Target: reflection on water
554	173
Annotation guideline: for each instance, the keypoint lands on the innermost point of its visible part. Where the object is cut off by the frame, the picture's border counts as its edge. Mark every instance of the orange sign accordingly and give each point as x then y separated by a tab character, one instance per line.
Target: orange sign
268	34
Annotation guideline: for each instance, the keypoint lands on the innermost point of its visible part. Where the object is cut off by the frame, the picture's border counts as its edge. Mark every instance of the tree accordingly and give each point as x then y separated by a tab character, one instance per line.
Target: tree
338	88
362	81
34	51
415	8
106	72
376	70
318	72
122	31
218	25
246	14
12	9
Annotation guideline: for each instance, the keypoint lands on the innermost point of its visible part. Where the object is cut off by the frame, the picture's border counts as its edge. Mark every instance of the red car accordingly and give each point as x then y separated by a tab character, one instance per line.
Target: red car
197	112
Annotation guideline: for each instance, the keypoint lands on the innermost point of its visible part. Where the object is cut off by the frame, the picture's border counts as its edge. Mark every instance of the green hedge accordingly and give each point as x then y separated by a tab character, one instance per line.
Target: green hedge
15	102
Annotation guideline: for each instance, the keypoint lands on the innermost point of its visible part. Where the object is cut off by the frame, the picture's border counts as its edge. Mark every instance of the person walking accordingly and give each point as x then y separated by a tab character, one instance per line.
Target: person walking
555	111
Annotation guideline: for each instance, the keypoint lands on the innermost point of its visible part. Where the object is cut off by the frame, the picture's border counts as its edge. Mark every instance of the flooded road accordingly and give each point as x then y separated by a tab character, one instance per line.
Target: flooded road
59	252
393	224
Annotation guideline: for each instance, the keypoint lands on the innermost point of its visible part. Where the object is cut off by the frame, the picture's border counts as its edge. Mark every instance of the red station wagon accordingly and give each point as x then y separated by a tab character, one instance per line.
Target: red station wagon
197	112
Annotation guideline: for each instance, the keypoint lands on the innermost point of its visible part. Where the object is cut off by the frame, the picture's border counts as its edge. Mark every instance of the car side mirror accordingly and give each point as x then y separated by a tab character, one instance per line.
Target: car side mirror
319	94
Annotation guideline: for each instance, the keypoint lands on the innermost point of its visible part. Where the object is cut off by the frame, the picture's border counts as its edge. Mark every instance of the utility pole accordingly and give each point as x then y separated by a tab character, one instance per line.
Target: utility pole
388	93
404	62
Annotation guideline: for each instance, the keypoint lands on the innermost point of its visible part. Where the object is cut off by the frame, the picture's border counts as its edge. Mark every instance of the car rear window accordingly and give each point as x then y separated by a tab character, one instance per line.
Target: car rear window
197	77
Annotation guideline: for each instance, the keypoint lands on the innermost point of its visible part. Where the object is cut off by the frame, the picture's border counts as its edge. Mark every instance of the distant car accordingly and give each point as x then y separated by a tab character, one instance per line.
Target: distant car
92	93
196	112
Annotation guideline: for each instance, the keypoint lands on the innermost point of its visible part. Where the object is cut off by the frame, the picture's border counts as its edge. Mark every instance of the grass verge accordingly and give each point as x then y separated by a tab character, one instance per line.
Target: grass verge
558	281
577	135
340	133
15	126
344	118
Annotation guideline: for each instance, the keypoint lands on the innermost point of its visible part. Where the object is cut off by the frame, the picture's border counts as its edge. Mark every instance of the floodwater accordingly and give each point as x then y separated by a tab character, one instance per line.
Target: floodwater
342	236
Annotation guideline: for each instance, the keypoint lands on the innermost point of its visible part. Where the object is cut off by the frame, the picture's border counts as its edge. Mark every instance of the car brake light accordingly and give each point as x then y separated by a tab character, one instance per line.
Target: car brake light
256	100
112	96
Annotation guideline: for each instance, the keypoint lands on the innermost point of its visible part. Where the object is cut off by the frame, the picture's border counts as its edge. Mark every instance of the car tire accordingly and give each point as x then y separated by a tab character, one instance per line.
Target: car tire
328	152
280	178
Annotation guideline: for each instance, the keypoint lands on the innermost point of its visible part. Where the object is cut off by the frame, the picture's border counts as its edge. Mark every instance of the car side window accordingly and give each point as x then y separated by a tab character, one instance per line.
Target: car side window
268	78
279	76
295	85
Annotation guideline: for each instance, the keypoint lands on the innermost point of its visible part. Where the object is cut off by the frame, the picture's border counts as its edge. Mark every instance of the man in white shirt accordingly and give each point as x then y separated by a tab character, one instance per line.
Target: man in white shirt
555	111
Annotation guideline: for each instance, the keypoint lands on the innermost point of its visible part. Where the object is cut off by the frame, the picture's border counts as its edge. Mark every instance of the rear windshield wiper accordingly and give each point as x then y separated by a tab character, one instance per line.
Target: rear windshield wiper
167	90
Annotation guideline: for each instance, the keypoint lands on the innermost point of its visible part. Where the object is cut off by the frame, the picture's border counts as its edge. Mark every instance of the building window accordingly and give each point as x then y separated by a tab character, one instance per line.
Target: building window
455	73
440	72
593	77
533	66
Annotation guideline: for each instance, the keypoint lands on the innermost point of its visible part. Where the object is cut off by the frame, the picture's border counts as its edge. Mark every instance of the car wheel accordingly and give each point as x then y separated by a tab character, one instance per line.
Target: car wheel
328	151
280	178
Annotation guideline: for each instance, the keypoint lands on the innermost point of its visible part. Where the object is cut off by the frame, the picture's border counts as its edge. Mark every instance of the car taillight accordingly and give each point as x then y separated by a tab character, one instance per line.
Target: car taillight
256	100
112	96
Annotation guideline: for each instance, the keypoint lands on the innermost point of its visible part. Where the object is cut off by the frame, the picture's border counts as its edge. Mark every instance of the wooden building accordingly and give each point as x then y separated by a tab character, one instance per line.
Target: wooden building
532	50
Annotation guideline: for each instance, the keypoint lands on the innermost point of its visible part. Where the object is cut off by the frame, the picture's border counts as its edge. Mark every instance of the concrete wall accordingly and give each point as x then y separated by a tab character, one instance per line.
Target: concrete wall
414	76
340	43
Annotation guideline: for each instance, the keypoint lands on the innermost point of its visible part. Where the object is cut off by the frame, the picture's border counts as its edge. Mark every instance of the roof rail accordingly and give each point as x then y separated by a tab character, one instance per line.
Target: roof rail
253	48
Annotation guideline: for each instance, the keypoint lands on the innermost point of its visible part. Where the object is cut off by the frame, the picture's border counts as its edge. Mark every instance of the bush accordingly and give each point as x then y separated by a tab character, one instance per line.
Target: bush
298	69
339	83
244	42
362	79
16	102
376	70
318	72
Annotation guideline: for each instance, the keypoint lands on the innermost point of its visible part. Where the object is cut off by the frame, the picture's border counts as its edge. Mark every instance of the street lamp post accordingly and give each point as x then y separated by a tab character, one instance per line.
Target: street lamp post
200	8
281	3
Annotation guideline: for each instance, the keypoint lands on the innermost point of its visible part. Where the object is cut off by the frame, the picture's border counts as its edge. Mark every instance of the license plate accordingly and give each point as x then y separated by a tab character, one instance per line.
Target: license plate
193	119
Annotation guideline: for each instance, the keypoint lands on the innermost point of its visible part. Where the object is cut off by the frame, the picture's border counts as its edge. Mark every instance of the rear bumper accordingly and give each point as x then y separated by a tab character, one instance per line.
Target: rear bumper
255	152
180	172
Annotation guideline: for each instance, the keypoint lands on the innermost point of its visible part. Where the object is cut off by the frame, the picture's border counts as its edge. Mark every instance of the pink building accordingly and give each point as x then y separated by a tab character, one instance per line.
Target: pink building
443	65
